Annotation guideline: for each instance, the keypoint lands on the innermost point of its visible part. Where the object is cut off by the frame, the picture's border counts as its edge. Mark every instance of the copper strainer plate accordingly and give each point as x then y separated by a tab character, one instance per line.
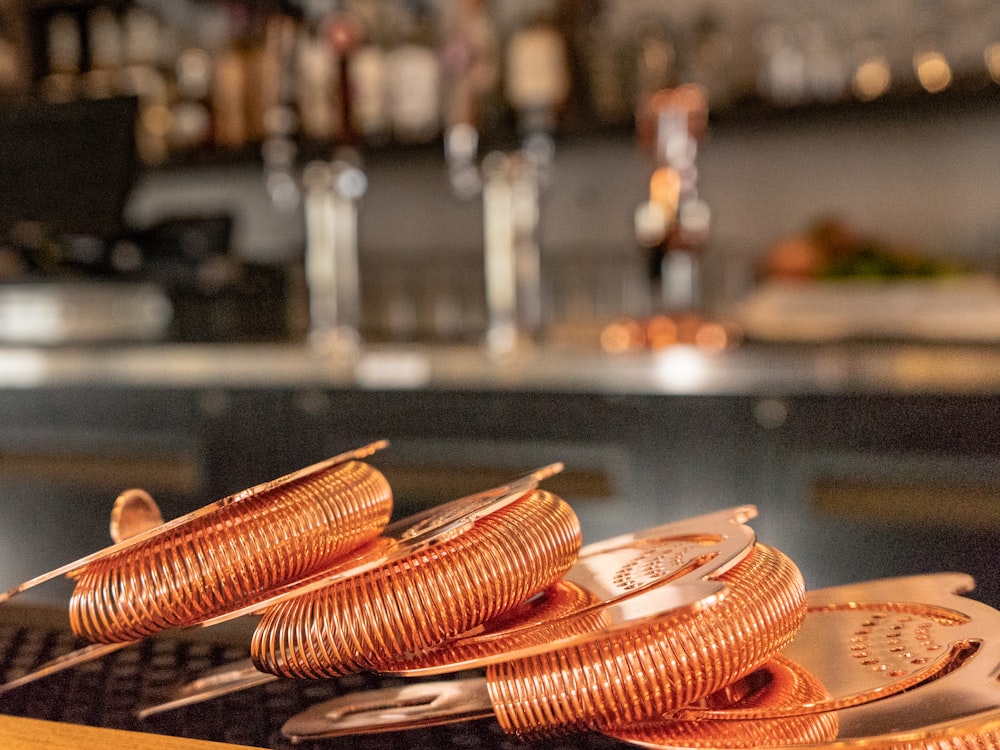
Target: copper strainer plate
902	664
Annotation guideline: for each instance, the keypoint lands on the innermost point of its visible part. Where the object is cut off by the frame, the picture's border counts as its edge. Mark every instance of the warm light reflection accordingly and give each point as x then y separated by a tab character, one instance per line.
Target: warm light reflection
992	57
872	78
933	71
712	337
157	119
665	189
622	335
680	367
661	332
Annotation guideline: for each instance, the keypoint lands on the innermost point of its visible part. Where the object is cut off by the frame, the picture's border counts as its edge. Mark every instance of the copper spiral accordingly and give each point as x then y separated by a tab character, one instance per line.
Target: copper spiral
952	738
533	622
786	683
779	682
411	604
654	668
232	555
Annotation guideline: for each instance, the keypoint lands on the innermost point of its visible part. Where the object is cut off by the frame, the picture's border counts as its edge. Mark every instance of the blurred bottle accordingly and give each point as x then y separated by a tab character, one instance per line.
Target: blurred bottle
537	86
672	226
279	149
537	75
673	223
15	74
229	91
413	83
103	78
64	58
369	81
470	62
192	111
240	91
710	59
144	55
316	82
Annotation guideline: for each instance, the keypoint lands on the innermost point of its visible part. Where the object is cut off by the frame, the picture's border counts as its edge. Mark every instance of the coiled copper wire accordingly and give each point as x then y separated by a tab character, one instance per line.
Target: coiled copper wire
225	558
410	604
779	682
654	668
950	738
533	622
761	720
790	684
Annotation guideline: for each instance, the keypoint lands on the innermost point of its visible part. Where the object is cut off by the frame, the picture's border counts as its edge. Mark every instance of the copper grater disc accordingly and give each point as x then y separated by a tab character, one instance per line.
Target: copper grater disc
415	602
670	615
226	553
906	664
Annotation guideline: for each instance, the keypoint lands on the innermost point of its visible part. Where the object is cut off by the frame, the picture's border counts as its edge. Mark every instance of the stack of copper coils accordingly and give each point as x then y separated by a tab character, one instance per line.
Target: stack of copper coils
691	634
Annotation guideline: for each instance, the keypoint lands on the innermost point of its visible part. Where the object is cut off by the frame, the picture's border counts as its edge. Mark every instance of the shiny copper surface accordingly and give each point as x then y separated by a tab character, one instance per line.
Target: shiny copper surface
551	613
246	545
905	664
619	583
418	600
660	666
669	616
401	542
779	682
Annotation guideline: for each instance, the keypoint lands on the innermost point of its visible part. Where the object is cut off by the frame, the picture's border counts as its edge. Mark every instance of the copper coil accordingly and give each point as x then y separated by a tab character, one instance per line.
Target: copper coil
533	622
789	684
657	667
411	604
952	738
779	682
228	557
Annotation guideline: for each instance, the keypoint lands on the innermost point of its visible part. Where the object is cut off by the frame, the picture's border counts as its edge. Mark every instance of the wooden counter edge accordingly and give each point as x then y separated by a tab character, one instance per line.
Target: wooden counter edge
17	733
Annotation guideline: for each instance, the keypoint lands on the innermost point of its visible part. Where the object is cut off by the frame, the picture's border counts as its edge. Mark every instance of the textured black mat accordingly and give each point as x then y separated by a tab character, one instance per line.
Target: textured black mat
107	692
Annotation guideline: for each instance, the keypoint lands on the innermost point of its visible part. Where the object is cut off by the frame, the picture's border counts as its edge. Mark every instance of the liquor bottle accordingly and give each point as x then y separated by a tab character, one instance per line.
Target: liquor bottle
470	61
470	64
368	72
103	79
230	91
537	75
413	83
279	149
143	75
14	68
316	83
64	52
191	112
673	223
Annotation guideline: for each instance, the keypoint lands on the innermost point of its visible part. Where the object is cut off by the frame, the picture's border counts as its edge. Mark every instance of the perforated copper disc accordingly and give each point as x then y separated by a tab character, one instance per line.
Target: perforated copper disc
905	664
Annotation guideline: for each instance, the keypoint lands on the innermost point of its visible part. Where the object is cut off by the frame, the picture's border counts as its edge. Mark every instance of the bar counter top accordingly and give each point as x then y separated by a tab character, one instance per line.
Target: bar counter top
886	369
